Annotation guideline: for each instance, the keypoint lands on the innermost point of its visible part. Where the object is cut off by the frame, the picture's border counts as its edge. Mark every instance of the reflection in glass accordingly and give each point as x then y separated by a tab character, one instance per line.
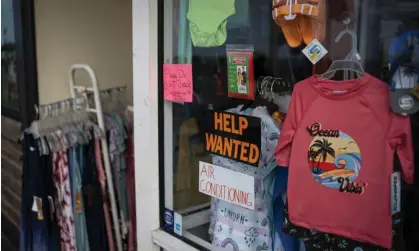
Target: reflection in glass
8	57
219	69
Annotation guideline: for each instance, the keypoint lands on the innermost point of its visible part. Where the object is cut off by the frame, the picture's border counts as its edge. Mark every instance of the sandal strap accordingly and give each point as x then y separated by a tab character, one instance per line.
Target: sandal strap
303	7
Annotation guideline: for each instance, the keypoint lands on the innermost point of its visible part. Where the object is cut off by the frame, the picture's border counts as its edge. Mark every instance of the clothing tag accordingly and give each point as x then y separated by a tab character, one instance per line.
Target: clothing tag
51	206
395	193
57	202
79	207
37	207
40	147
314	51
57	193
34	205
58	209
124	228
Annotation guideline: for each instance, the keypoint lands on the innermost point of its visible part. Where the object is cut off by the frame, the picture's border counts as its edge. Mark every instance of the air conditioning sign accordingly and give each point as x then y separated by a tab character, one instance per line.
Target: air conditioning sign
228	185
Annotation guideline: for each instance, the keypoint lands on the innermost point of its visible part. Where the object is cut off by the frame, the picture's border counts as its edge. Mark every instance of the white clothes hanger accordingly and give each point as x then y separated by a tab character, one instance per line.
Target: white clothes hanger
351	61
290	16
75	89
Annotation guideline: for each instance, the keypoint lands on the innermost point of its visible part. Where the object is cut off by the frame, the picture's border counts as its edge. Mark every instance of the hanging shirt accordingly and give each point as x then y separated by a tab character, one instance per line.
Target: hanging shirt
104	192
76	165
64	208
338	140
116	150
119	160
130	178
237	228
93	201
38	228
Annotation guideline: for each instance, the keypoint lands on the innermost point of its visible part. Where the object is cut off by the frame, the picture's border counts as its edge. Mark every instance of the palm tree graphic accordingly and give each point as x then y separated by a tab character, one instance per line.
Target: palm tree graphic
319	151
343	244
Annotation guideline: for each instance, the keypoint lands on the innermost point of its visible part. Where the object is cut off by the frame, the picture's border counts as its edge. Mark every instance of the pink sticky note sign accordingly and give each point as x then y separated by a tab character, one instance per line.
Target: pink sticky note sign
177	81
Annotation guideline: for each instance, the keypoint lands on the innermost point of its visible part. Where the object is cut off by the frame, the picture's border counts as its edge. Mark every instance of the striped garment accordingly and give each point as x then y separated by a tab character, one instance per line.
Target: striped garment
64	203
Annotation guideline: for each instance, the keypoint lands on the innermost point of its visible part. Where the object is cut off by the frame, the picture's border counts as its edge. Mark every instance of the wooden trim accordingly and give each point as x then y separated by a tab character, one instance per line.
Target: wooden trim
7	226
10	113
10	128
26	59
170	242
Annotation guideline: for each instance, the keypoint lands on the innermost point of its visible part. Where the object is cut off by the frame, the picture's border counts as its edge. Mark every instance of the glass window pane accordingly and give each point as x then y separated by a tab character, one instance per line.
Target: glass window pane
8	57
247	57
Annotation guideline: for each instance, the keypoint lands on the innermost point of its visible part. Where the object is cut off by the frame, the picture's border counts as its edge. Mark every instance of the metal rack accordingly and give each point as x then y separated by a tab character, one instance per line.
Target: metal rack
77	89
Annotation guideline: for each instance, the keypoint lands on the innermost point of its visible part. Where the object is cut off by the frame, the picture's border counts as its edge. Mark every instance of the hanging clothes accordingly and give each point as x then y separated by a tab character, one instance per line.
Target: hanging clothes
96	222
71	189
116	141
104	191
76	165
64	201
39	229
130	179
64	197
119	161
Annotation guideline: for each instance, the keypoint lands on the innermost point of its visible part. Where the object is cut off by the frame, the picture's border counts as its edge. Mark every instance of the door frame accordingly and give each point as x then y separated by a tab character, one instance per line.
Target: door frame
26	69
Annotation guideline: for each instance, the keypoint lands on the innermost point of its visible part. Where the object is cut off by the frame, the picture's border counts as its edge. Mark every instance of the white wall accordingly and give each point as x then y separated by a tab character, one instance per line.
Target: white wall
145	69
96	32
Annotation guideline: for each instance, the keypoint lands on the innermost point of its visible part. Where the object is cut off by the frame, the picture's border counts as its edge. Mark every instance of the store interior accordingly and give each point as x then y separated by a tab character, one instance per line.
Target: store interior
296	84
359	38
78	188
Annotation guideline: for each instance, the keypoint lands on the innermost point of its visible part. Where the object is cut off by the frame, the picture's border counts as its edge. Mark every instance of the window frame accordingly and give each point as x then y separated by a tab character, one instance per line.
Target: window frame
26	69
165	125
165	120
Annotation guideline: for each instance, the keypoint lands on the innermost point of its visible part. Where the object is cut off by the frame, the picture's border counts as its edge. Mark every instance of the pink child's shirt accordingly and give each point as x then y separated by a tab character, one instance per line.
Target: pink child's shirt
338	141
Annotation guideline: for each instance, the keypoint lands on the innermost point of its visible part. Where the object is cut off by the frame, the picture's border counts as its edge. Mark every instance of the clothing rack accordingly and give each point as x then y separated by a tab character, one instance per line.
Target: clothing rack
75	89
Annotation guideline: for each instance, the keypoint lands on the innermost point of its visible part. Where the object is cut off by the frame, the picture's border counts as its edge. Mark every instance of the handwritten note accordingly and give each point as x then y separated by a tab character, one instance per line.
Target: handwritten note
177	80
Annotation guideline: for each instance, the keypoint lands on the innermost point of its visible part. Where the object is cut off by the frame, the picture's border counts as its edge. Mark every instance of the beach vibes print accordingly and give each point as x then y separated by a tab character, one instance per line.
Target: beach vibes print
334	159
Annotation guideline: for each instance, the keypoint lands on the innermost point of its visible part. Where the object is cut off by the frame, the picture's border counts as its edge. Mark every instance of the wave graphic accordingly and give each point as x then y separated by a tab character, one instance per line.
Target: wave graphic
350	169
352	162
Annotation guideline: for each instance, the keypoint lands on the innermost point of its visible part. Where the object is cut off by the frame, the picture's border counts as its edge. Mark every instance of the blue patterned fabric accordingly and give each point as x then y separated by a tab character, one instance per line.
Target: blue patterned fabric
289	242
76	165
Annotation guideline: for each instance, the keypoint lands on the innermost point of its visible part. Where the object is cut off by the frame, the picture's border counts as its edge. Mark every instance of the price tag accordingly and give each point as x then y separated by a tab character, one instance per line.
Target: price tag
37	207
314	51
395	192
79	207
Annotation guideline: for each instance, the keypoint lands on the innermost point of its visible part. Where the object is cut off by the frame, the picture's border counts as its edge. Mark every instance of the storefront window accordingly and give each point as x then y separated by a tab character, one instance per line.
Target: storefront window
9	90
305	100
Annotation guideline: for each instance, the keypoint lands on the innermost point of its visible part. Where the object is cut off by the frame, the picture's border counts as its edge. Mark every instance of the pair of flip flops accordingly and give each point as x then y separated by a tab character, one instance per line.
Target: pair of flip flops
300	20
